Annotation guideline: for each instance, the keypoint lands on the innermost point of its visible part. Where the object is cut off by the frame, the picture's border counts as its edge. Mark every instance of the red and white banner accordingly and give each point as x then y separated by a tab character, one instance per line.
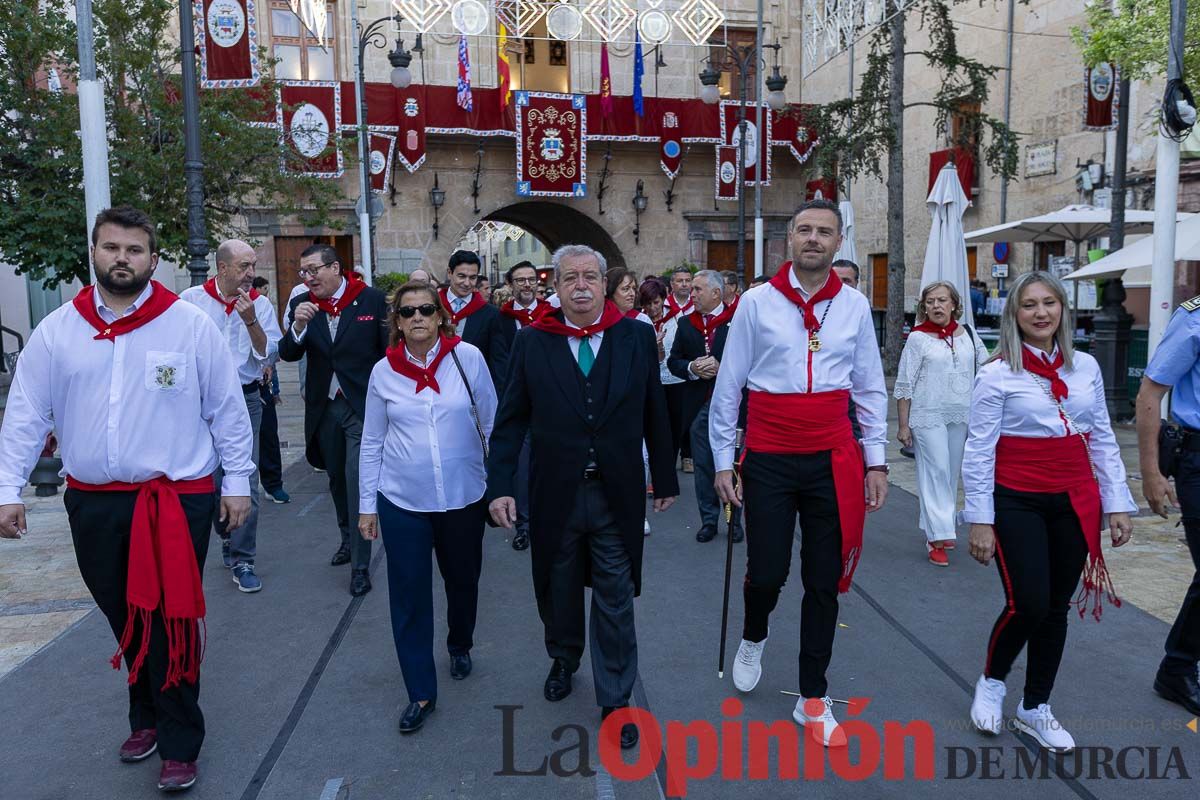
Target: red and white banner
227	41
821	189
551	157
727	186
410	149
670	144
380	160
310	116
758	143
1100	84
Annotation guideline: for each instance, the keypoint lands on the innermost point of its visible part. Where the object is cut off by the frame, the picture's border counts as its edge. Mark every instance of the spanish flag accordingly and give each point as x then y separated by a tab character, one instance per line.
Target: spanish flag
503	73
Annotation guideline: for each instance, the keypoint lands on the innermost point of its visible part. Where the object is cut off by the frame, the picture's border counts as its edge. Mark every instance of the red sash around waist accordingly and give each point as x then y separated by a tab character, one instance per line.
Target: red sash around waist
813	423
163	575
1053	465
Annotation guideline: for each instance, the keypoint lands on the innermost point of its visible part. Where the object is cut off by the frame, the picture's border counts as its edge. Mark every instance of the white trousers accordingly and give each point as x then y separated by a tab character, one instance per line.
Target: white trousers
939	454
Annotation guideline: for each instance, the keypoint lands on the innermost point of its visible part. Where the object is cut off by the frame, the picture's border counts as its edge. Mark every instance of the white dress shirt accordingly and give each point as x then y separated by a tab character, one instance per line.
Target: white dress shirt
334	386
1005	403
665	376
766	350
250	363
163	399
594	340
457	304
421	450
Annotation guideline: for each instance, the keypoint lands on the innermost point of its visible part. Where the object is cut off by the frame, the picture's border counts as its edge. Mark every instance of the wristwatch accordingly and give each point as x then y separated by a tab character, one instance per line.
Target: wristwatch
879	468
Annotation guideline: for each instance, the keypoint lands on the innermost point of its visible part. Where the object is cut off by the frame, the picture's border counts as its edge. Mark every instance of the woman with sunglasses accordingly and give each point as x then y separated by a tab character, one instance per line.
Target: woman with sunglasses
430	406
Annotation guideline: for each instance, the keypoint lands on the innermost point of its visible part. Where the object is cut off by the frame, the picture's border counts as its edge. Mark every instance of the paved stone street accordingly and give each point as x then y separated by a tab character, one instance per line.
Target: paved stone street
302	691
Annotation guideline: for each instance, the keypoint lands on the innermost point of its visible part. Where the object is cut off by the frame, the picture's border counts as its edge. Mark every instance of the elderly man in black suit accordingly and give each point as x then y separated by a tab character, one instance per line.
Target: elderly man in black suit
695	356
476	321
340	323
589	375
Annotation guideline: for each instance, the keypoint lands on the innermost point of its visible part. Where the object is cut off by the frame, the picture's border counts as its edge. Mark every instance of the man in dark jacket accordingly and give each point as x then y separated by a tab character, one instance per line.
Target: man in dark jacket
341	325
590	377
477	321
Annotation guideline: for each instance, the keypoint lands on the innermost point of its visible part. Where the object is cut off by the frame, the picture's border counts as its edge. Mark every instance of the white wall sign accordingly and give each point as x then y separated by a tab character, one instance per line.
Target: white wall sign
1041	159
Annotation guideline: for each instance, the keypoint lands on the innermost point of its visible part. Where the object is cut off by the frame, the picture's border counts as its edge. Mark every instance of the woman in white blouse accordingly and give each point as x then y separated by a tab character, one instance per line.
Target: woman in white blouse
1041	471
430	406
933	398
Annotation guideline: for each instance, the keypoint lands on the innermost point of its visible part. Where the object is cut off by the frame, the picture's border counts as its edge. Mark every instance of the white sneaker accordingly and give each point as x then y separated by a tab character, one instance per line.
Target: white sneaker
1041	725
987	710
831	734
747	665
646	527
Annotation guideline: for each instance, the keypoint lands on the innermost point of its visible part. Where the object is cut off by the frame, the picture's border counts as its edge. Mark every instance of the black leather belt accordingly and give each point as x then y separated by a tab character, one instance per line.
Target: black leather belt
591	473
1191	440
250	388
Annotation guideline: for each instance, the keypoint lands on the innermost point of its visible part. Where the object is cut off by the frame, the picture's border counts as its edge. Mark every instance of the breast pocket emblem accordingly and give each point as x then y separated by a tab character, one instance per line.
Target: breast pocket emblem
164	376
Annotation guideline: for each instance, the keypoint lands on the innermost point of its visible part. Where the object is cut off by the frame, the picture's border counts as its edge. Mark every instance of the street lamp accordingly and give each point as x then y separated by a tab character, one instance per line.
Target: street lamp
400	59
742	58
639	205
710	91
436	198
776	83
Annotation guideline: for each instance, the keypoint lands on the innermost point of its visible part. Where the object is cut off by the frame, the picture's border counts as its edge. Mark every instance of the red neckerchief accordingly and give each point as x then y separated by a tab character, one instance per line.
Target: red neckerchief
783	283
672	307
632	313
210	286
334	308
713	325
423	376
474	304
1039	366
525	316
553	323
163	576
160	300
946	334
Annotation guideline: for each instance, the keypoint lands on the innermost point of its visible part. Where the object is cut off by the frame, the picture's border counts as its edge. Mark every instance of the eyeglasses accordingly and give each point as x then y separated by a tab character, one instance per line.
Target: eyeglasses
426	309
525	281
308	273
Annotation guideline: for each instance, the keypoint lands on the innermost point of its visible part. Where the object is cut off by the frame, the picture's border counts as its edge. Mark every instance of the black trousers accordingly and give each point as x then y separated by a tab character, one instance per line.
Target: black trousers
775	488
1040	553
339	433
270	461
100	523
681	442
1183	643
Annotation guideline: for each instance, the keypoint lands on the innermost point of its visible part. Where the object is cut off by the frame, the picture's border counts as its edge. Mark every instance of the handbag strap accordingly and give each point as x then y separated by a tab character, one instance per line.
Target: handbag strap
474	410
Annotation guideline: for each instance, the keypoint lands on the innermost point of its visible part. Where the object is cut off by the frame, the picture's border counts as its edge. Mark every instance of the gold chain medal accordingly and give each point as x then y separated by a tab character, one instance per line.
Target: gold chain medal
814	344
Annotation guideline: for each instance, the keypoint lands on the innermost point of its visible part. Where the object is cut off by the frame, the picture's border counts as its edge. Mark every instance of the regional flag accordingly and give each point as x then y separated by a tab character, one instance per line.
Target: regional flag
503	71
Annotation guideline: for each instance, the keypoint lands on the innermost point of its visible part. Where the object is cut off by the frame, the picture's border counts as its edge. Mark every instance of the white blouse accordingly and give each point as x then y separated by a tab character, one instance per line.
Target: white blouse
938	380
1005	403
665	376
421	449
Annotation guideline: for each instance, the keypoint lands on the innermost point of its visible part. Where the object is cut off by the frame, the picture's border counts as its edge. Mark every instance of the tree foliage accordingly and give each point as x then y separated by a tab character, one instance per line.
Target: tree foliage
43	230
1135	37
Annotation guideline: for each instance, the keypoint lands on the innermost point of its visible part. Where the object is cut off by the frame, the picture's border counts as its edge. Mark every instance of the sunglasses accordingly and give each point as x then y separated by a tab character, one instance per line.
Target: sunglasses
426	309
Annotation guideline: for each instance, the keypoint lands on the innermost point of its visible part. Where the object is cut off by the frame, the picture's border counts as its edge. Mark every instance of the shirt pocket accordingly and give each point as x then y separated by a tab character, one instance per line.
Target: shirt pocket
166	371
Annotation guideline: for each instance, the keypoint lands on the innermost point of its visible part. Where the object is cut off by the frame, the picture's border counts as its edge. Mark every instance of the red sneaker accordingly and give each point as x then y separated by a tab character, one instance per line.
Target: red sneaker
140	744
176	776
938	557
948	544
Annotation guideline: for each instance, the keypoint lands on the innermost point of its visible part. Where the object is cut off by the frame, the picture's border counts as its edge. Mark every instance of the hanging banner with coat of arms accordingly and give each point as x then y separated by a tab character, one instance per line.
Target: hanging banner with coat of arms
551	157
758	143
670	144
380	160
227	41
727	171
1100	92
310	116
410	149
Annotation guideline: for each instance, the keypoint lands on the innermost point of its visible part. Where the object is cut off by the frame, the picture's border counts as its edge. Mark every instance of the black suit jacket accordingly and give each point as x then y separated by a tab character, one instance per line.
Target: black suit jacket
544	382
488	330
362	339
687	347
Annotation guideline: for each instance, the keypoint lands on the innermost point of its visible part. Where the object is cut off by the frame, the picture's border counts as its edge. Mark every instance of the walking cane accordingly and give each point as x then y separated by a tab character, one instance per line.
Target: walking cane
728	570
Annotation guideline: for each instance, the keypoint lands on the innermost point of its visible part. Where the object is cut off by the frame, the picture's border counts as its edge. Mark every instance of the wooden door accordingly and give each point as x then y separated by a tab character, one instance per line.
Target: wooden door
972	263
879	280
287	261
722	255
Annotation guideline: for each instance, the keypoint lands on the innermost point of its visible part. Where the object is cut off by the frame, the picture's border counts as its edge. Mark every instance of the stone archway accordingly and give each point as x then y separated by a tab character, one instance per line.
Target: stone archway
556	224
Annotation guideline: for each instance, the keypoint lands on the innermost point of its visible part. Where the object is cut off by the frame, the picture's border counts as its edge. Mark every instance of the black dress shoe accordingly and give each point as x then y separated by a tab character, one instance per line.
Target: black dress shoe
1181	689
415	715
521	541
738	534
558	682
629	731
706	534
342	556
360	582
460	666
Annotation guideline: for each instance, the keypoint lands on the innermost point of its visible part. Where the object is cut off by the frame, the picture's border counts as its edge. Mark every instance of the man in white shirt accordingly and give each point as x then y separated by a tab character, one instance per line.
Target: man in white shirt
143	395
247	322
679	304
803	345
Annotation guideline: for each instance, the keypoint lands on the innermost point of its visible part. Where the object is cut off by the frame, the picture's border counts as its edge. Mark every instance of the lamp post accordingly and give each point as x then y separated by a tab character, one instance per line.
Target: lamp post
193	165
639	205
436	198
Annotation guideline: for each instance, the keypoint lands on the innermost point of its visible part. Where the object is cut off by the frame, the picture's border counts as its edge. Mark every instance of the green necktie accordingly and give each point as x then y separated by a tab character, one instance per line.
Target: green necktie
586	357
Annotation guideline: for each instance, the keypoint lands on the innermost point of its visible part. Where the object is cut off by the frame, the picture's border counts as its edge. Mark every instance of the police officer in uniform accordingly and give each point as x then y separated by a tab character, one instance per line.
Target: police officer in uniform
1175	367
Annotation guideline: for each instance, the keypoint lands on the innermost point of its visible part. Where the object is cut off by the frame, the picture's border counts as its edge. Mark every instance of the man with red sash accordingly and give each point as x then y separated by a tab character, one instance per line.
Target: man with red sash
252	334
523	310
696	356
590	377
476	321
803	345
340	324
143	395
